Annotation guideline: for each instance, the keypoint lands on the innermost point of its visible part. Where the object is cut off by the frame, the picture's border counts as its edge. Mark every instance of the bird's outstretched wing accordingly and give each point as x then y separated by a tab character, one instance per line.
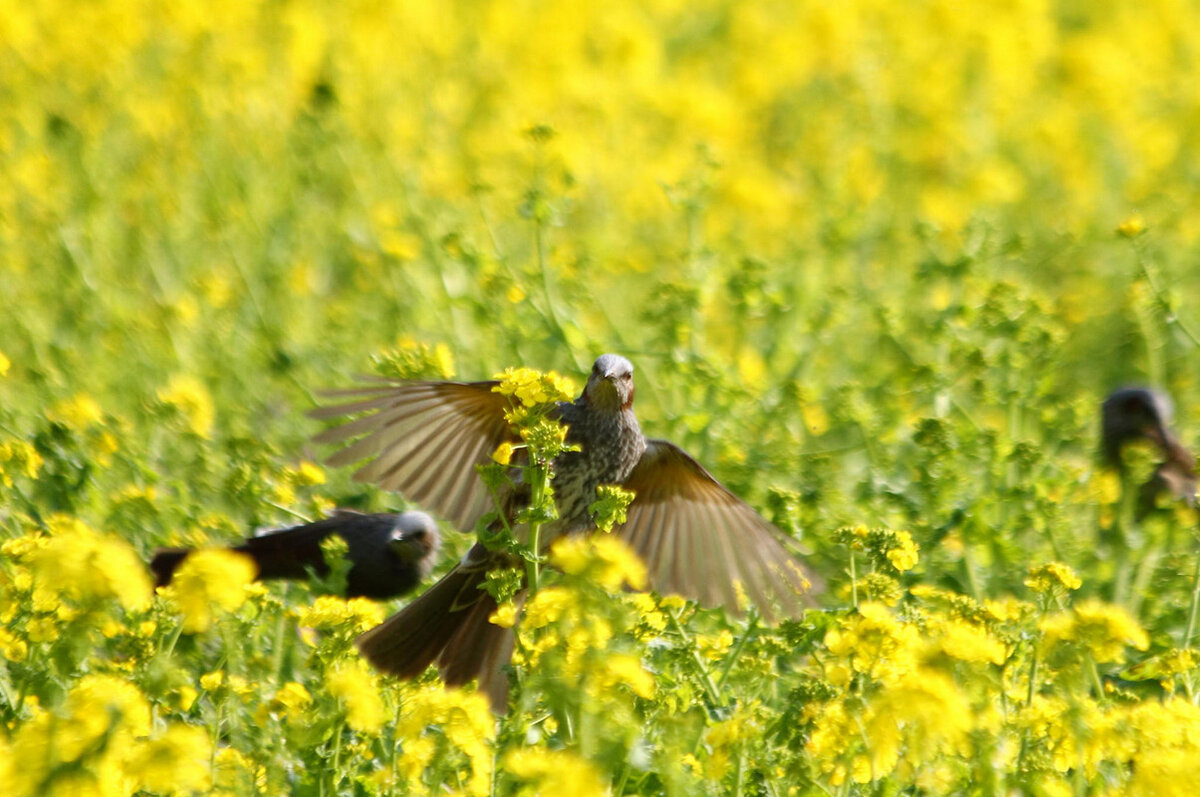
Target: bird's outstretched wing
698	539
426	438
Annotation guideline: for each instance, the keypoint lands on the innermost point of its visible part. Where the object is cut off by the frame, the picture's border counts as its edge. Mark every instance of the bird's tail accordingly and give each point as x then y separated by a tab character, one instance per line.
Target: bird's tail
448	625
165	562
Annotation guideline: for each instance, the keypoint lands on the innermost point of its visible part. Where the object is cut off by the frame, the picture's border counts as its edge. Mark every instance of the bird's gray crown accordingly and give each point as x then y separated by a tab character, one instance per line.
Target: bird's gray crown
612	365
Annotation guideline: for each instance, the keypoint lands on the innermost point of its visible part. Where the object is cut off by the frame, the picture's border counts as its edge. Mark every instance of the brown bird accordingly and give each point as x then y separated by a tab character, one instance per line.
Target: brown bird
1132	414
696	537
389	554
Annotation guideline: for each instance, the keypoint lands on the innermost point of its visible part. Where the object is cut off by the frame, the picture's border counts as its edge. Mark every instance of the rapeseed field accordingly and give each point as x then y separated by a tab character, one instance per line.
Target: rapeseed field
876	263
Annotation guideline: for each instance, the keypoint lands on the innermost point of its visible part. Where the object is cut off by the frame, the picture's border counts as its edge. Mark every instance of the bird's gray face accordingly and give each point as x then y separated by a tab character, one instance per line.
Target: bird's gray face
415	536
610	385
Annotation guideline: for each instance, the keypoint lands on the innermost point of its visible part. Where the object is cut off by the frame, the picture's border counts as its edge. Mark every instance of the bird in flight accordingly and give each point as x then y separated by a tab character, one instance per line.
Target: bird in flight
423	441
389	554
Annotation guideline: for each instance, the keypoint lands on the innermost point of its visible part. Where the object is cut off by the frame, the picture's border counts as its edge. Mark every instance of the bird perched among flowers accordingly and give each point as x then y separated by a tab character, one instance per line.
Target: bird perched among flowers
389	554
425	439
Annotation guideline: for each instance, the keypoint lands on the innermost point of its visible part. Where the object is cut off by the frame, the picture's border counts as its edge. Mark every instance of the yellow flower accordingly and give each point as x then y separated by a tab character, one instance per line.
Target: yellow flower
1053	578
176	761
355	688
211	681
1103	629
606	560
291	699
465	721
209	580
188	395
968	642
354	615
78	412
503	453
82	565
505	615
1132	226
309	473
904	555
12	648
625	669
5	363
532	388
558	772
17	456
185	697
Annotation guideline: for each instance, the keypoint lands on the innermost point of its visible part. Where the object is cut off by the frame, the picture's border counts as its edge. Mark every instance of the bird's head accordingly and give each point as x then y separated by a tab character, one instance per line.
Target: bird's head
610	385
415	537
1135	413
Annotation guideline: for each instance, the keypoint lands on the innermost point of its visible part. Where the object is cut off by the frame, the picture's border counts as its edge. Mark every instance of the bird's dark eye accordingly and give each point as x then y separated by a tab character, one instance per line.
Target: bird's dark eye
627	377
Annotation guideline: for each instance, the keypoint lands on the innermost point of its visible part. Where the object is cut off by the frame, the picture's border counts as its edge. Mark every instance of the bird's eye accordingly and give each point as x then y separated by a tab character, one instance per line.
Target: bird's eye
627	377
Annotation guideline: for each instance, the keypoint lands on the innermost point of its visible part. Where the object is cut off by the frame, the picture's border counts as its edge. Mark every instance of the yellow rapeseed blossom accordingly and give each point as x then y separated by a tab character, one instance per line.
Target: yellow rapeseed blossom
904	555
212	681
308	474
290	699
503	453
465	721
874	642
354	615
1053	578
175	762
5	364
620	669
969	642
1133	226
505	615
189	396
82	565
606	560
356	689
558	772
531	387
1103	629
78	412
208	581
18	457
94	736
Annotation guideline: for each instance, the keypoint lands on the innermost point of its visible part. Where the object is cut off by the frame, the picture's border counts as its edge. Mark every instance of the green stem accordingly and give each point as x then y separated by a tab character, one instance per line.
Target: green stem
1191	625
710	689
1094	674
853	580
751	627
537	498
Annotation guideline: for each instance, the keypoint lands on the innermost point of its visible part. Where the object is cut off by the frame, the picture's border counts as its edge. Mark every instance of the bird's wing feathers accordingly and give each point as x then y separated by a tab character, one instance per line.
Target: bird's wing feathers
425	439
698	539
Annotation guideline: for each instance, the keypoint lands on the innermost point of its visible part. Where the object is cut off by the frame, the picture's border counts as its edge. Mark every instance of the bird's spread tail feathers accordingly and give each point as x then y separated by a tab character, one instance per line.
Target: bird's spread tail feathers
447	625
